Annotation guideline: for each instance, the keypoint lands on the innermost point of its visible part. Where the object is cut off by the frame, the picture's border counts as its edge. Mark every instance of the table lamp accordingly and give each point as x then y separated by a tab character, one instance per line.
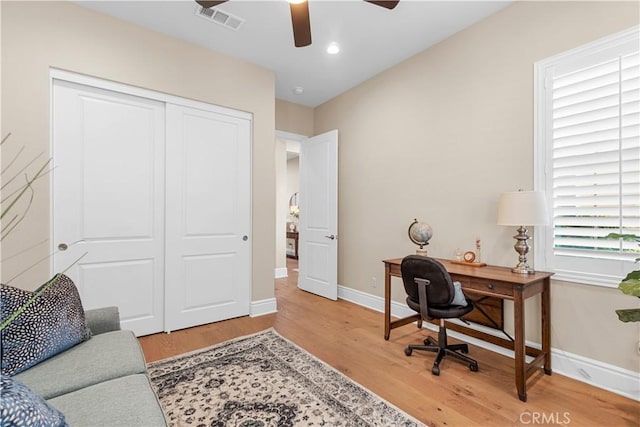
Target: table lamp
522	208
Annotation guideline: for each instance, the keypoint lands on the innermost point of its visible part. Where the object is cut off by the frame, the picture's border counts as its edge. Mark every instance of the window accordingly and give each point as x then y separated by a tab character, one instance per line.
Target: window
588	159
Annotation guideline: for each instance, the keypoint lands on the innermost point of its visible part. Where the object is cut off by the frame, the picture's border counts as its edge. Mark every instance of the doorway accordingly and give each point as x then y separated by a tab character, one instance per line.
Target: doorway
293	206
287	196
316	208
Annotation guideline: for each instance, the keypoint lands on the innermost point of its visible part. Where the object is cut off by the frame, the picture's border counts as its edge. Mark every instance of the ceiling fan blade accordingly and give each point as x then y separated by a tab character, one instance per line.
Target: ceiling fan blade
387	4
301	23
207	4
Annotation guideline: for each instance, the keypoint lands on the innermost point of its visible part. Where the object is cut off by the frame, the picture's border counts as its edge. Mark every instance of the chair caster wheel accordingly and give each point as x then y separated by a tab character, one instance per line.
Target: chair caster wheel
473	367
408	351
435	370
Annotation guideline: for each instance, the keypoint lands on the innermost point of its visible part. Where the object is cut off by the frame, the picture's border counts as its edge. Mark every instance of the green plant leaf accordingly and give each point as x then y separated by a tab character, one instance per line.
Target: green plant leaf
629	315
628	237
631	284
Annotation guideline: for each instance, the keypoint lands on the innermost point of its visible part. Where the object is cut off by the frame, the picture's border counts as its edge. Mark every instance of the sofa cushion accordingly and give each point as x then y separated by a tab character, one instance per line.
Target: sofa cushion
20	406
127	401
53	321
103	357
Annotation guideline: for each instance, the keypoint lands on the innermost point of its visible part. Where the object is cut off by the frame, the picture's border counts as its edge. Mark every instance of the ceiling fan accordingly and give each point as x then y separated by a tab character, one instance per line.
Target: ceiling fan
300	17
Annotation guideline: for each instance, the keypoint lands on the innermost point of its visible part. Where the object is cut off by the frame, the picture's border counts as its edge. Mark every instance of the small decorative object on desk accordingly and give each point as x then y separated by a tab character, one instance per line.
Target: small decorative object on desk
470	258
420	233
478	250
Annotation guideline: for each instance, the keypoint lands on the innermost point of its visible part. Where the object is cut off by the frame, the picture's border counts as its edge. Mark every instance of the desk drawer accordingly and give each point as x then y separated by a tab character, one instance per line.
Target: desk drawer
489	309
488	287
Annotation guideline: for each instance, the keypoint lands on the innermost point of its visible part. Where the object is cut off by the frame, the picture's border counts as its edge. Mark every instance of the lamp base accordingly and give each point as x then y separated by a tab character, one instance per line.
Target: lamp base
523	269
522	248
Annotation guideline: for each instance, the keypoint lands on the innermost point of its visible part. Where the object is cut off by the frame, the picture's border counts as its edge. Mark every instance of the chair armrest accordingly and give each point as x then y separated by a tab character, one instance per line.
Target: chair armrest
102	320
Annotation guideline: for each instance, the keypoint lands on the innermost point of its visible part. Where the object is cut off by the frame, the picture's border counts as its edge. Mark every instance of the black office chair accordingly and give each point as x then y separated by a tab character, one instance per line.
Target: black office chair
431	292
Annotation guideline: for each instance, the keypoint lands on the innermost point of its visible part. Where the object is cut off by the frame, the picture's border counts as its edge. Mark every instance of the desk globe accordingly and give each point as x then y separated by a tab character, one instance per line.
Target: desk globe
420	233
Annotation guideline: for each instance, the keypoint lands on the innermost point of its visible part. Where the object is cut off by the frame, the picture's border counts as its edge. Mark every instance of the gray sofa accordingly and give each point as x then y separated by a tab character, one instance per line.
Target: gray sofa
100	382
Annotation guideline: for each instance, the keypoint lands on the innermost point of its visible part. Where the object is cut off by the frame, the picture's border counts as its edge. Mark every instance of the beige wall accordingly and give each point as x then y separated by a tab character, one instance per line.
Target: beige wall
287	183
294	118
37	36
282	197
441	135
293	176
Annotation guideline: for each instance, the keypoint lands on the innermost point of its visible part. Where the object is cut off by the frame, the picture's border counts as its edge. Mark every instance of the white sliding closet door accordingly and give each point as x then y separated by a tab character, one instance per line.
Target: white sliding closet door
159	196
208	220
108	200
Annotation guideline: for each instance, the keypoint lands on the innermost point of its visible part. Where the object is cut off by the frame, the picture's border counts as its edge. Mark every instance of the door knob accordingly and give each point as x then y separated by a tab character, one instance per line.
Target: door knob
332	237
64	246
245	238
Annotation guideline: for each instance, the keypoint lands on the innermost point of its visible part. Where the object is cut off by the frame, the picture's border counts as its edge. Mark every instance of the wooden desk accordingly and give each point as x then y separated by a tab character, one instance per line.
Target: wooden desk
497	282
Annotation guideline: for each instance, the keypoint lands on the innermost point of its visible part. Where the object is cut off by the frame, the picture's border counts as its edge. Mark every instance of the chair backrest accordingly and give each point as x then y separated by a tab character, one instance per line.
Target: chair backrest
440	292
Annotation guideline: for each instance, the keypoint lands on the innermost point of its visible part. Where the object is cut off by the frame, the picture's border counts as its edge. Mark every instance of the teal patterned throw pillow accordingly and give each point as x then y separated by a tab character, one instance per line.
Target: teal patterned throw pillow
20	406
52	323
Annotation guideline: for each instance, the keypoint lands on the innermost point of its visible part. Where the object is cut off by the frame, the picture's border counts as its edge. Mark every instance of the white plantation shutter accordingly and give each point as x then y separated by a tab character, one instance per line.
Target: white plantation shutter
589	159
596	157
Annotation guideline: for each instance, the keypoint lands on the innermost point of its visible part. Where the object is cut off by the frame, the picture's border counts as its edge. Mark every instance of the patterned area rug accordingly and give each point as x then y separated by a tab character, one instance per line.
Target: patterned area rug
265	380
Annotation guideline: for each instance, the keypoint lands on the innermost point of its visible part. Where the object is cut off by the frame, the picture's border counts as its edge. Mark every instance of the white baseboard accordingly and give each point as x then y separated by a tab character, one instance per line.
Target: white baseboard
598	374
262	307
281	272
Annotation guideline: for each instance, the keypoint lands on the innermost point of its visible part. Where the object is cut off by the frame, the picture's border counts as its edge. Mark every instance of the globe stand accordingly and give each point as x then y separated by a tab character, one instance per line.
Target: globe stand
421	251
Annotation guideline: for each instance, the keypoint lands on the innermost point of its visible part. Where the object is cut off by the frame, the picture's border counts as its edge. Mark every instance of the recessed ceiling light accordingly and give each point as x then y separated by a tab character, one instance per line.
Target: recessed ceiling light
333	48
298	90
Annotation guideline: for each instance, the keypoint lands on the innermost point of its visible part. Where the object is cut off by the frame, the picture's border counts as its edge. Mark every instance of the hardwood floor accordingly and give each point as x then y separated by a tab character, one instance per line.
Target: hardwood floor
350	338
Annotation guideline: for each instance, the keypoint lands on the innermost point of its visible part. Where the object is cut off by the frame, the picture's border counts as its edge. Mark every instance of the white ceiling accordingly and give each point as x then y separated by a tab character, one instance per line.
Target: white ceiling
371	38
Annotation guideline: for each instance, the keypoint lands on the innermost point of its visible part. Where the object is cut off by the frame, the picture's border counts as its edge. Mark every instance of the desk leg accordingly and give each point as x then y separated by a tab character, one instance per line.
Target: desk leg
519	346
546	325
387	301
388	324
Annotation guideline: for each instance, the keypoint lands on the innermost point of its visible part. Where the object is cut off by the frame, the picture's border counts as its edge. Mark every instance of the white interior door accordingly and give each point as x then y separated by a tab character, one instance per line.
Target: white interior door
208	220
318	234
108	200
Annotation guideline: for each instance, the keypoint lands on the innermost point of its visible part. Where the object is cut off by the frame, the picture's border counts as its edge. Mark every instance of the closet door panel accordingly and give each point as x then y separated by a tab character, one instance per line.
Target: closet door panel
118	148
209	179
105	291
208	265
108	200
197	270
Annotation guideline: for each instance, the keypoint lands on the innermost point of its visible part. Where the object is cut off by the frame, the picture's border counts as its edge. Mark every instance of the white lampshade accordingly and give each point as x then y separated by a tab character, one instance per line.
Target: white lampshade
522	208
